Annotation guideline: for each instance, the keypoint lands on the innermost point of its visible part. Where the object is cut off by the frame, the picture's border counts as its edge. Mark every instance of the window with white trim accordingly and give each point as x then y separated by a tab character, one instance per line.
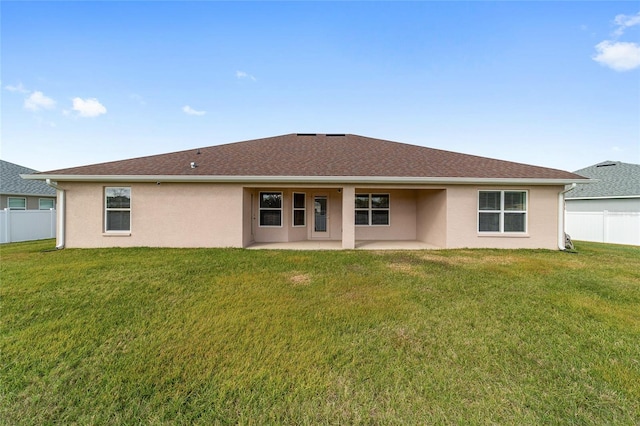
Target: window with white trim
271	209
372	209
17	203
502	211
46	203
299	209
117	216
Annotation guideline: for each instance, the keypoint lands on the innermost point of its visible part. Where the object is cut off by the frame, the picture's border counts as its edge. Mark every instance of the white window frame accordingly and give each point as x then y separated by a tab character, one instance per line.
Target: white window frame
261	209
117	209
294	209
24	200
370	209
53	203
501	212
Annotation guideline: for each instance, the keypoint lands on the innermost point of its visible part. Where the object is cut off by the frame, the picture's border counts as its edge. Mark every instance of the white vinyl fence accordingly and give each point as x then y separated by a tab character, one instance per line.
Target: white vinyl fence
27	225
604	227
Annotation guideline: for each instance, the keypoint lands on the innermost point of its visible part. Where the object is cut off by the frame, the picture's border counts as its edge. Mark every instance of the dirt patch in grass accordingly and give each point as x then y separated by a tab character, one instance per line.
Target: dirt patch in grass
300	279
502	260
401	267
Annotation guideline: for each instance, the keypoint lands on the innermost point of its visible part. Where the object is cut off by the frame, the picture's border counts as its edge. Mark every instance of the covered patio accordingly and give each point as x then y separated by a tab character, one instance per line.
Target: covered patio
344	217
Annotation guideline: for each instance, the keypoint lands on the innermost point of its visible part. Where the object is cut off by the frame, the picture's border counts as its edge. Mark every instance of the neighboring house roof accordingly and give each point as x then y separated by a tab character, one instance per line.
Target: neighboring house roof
12	184
612	179
314	156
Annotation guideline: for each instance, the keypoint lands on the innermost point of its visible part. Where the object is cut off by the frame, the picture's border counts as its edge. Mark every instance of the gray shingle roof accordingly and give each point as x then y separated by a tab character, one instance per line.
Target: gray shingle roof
12	184
319	155
615	179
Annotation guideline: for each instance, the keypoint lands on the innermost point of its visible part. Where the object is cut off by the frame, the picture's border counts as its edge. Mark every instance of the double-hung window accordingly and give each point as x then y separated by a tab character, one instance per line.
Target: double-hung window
117	209
372	209
502	211
299	209
271	209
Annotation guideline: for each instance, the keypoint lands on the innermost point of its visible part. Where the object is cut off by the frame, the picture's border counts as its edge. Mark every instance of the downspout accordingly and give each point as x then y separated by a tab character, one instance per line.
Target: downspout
61	219
561	238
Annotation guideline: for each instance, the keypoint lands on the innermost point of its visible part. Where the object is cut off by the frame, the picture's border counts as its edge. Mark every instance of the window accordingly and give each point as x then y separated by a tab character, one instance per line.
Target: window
299	209
46	204
117	209
271	209
372	209
17	203
502	211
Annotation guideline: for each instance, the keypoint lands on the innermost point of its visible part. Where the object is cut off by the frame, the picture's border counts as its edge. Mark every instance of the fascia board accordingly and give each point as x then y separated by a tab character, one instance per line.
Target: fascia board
305	179
609	197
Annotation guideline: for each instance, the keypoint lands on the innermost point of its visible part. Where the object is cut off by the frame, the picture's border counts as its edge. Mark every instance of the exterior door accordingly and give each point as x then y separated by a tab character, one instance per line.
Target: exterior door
320	216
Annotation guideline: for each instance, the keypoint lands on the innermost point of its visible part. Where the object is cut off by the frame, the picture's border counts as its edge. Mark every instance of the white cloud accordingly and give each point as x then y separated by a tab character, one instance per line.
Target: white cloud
37	101
188	110
17	88
618	55
89	107
243	75
625	21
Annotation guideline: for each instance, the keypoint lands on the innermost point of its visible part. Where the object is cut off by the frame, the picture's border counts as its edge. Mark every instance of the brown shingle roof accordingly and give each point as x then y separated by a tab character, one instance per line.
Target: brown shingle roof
319	155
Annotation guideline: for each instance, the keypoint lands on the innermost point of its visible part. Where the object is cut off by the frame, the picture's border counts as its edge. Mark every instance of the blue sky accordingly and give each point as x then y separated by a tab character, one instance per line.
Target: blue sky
555	84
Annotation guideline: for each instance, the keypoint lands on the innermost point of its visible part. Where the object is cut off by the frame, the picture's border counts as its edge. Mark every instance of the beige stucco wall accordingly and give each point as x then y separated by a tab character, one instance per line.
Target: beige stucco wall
225	215
542	219
402	216
165	215
248	236
431	224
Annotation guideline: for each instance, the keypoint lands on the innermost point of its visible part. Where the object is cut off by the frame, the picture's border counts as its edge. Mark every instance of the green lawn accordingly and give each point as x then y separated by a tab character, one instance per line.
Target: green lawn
227	336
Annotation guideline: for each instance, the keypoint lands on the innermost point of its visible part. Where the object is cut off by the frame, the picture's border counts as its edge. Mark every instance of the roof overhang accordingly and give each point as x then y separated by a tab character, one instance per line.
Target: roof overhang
387	180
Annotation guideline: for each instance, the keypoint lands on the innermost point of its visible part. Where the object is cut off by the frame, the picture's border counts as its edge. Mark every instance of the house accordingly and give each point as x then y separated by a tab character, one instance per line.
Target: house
25	206
330	190
19	194
607	210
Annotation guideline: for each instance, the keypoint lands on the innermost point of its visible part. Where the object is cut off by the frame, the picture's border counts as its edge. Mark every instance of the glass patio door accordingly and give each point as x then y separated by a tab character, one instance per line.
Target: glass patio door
320	217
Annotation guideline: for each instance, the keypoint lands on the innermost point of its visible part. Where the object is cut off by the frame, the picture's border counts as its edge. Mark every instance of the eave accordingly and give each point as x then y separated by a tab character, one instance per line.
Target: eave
333	180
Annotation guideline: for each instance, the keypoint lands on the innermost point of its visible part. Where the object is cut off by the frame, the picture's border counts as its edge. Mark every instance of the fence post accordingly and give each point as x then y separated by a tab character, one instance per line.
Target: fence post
52	228
605	226
7	225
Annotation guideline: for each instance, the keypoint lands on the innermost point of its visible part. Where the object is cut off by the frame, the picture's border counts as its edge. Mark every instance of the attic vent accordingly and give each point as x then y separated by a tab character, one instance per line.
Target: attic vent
607	164
335	134
306	134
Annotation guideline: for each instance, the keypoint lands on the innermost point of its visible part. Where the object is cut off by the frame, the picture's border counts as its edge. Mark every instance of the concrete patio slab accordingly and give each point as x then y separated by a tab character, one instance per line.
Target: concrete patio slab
337	245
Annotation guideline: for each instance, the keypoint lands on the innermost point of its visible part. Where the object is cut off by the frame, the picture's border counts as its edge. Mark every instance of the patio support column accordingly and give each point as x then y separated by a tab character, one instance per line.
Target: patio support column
348	217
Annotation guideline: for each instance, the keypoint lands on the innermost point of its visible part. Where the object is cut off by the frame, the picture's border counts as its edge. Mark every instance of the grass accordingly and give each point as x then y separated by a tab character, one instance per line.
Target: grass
231	336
